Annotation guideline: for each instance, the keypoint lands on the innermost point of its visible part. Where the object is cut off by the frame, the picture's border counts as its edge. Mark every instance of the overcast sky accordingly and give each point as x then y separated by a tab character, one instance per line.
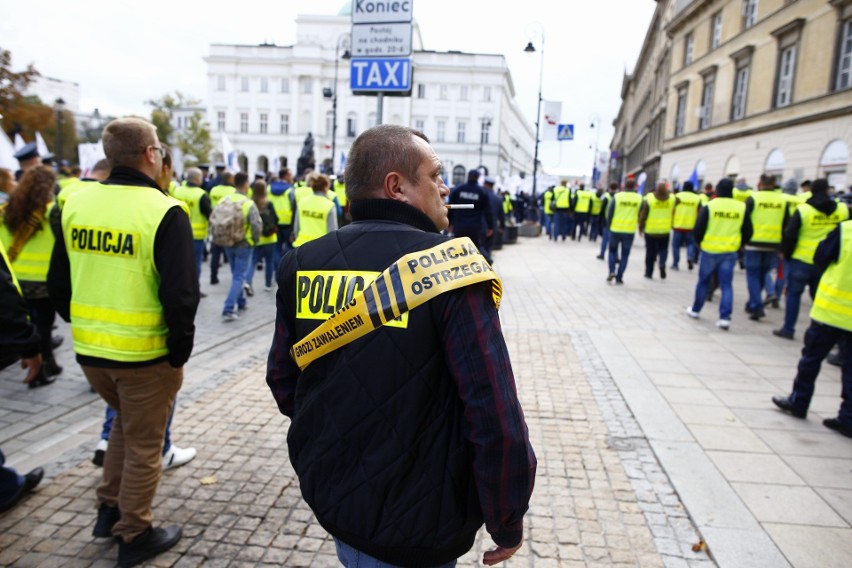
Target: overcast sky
122	54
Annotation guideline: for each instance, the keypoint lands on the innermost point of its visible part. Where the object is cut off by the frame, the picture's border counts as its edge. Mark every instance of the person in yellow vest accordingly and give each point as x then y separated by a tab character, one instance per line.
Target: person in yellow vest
687	204
655	222
26	234
831	322
267	244
805	192
217	192
708	194
767	209
339	190
198	202
122	272
561	205
240	255
606	200
581	205
811	222
623	218
315	214
721	228
742	190
98	173
595	215
547	207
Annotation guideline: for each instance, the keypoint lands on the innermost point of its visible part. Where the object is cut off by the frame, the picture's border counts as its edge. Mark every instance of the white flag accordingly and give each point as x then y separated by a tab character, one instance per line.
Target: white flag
550	120
90	153
19	142
229	154
276	161
7	153
41	146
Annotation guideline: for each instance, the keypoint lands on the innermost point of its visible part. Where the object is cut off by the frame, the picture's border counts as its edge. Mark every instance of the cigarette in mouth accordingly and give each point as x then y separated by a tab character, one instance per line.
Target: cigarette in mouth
460	206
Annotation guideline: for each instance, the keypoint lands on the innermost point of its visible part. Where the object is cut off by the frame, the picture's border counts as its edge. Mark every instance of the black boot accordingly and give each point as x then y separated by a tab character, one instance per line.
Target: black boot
49	365
147	545
41	380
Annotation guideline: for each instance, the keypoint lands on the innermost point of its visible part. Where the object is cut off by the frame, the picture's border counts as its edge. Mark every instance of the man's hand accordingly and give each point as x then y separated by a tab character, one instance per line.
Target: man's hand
33	364
489	232
500	554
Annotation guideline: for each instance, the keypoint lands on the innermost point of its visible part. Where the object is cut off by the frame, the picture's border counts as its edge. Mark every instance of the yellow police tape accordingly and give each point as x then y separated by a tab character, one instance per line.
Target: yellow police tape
412	281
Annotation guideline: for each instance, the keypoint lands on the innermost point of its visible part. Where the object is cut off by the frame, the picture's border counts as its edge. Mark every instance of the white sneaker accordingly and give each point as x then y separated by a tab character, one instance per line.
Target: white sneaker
724	324
267	288
690	313
176	457
230	316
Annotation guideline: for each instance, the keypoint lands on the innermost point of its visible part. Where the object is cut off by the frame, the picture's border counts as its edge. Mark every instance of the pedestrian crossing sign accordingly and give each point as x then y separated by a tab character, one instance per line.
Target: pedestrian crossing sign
565	132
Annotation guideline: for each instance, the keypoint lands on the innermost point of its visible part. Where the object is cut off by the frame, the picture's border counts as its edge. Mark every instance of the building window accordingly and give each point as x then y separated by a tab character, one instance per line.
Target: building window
716	31
786	74
844	57
220	82
285	85
749	13
705	116
220	121
420	125
421	91
738	109
463	93
264	85
688	48
264	123
680	116
458	175
307	85
351	126
442	92
484	131
460	133
486	94
244	122
440	130
244	84
285	124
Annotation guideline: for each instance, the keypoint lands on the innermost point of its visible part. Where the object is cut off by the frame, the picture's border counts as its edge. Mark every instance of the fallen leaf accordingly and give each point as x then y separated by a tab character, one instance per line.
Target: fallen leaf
209	480
700	546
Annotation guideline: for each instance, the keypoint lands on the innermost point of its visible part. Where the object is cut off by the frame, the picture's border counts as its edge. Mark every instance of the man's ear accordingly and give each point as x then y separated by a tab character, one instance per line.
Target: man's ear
392	188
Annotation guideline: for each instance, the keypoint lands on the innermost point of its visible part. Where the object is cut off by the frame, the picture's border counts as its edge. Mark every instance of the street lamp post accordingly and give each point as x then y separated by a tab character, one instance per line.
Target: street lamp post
596	125
333	94
60	111
530	48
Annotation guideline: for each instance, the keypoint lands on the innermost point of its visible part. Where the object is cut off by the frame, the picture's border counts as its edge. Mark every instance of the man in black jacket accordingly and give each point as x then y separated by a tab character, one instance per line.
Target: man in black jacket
409	436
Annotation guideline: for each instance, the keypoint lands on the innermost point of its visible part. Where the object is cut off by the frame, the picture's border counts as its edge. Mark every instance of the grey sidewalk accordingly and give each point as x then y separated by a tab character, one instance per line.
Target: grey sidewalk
646	424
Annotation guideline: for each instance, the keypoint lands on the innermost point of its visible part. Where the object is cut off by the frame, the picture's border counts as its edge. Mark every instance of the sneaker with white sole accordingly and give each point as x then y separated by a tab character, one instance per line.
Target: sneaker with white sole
724	324
691	313
230	316
100	452
177	457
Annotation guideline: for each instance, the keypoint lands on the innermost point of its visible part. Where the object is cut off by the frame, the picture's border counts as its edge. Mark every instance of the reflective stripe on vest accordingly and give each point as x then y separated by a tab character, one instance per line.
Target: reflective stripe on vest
625	217
282	206
686	210
33	259
584	201
767	217
115	307
724	226
313	214
659	220
815	226
833	301
192	197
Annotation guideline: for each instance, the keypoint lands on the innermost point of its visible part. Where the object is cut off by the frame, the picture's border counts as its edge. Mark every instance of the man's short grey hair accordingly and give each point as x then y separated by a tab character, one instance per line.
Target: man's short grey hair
194	175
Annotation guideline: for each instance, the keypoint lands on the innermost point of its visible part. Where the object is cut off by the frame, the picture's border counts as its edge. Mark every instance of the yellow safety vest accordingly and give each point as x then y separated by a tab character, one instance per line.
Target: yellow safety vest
340	190
192	197
767	217
724	226
303	191
313	214
70	190
686	210
659	220
219	192
173	185
507	204
625	217
548	200
283	207
815	226
64	181
597	203
9	266
561	197
109	233
605	200
833	301
704	199
584	201
742	195
33	259
804	196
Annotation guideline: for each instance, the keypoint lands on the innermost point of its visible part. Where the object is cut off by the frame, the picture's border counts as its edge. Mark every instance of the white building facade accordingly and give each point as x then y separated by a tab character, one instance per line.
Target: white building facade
267	98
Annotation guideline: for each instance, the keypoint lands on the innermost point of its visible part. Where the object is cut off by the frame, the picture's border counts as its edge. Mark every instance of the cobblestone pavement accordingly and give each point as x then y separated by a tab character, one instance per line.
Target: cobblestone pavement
634	465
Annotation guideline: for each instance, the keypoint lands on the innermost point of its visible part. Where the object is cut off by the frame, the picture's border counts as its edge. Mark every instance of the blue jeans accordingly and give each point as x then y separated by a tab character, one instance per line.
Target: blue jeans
604	238
581	222
819	339
679	239
799	276
199	254
758	265
267	253
239	258
560	224
110	415
780	276
594	227
722	265
10	482
354	558
626	242
655	248
547	223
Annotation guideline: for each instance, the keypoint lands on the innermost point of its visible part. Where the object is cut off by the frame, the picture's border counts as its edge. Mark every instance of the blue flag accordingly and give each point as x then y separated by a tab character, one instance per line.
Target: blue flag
694	179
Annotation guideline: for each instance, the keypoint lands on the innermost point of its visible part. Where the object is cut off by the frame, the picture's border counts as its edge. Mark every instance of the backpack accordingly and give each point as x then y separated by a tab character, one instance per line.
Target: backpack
227	224
269	220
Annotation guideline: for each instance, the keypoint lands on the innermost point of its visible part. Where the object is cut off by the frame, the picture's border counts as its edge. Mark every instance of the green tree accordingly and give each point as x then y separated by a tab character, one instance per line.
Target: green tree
12	84
163	110
194	140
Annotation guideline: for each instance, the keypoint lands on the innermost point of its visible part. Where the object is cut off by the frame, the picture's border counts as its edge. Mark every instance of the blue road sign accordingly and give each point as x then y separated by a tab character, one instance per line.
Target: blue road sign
565	132
380	74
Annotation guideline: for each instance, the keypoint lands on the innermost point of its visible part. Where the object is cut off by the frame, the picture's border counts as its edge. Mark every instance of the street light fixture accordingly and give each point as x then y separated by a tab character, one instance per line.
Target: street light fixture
530	48
59	105
333	93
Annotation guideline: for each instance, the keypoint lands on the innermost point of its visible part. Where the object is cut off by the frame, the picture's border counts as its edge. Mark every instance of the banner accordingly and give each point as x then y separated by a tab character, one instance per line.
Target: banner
41	145
231	161
90	153
7	153
550	120
19	142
